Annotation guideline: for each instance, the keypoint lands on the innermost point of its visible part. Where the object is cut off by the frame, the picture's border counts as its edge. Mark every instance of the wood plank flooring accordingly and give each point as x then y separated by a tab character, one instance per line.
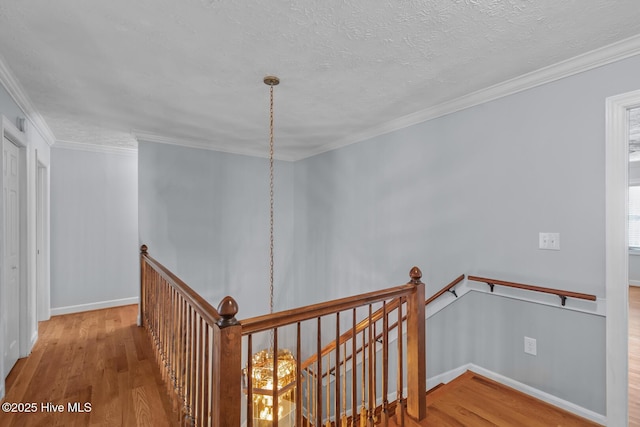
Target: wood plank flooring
634	356
474	400
99	357
102	358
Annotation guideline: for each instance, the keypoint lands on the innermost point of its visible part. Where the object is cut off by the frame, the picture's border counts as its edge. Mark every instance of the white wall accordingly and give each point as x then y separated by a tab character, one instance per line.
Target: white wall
94	228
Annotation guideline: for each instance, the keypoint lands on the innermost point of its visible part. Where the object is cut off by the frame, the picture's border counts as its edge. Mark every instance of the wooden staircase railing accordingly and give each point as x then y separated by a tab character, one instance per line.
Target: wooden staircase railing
199	350
196	346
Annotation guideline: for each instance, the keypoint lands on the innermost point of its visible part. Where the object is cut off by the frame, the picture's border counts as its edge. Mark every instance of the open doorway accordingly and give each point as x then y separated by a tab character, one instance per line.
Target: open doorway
43	298
634	266
617	254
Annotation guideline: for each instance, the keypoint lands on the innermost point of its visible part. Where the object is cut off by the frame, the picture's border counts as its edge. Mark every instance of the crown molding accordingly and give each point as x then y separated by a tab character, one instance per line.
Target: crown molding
94	148
204	145
18	94
578	64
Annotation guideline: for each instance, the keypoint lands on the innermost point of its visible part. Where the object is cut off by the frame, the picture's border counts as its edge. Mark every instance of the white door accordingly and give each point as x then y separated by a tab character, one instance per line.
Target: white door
11	303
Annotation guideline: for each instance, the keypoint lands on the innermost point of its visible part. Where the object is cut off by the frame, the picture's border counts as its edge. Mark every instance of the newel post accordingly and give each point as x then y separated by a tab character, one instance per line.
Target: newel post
227	361
143	285
416	349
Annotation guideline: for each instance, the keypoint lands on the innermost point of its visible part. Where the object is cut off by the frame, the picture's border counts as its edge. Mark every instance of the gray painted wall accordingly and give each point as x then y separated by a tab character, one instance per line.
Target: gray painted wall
489	331
469	193
94	227
205	215
465	193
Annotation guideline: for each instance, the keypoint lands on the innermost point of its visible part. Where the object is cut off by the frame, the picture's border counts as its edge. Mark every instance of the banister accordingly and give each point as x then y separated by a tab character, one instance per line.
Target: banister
199	348
377	315
203	308
559	292
269	321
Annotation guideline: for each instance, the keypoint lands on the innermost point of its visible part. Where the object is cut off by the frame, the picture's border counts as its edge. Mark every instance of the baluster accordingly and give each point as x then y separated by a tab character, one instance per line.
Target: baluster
375	372
298	377
249	380
179	349
191	372
309	386
354	370
275	379
363	410
319	375
385	367
328	423
314	391
163	331
199	374
172	343
344	389
371	343
208	357
399	382
337	372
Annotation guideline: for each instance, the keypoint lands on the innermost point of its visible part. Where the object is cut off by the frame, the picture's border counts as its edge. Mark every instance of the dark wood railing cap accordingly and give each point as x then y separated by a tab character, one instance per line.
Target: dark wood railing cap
144	249
415	275
228	308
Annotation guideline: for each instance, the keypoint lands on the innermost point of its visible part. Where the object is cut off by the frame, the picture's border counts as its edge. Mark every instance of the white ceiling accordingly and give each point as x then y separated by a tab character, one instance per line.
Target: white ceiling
191	71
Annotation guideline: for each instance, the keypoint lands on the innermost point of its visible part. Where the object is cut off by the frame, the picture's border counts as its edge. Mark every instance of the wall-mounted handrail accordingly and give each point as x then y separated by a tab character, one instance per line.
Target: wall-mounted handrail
447	288
559	292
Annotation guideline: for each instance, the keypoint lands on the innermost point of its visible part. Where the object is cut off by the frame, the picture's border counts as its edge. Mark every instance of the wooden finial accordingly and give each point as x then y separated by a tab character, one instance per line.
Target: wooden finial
415	274
143	249
228	308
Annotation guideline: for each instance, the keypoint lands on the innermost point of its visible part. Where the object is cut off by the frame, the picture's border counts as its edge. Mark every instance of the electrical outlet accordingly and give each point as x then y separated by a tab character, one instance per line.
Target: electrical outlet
530	346
550	241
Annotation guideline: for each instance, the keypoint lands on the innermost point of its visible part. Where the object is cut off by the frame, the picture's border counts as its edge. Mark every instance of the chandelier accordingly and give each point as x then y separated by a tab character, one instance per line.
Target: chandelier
263	373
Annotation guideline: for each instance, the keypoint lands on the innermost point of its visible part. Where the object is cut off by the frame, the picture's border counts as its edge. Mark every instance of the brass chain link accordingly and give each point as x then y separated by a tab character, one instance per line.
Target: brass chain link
271	200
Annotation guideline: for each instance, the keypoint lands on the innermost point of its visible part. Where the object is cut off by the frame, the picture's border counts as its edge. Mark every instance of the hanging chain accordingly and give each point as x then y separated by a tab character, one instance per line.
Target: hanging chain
271	201
271	81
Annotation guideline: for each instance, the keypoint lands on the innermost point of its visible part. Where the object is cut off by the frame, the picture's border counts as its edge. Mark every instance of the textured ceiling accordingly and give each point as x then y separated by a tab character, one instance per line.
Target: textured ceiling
191	70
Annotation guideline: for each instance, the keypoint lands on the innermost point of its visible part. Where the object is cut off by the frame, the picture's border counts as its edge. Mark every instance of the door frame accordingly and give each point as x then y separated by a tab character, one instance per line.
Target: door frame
617	255
43	294
17	137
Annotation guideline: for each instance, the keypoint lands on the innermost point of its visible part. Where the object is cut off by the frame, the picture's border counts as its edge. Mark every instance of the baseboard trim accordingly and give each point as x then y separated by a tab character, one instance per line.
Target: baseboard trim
34	339
538	394
634	282
447	376
93	306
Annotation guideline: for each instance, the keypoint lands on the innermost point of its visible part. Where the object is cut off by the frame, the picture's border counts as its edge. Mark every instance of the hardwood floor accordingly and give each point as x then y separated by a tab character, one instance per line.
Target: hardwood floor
473	400
99	357
102	358
634	356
